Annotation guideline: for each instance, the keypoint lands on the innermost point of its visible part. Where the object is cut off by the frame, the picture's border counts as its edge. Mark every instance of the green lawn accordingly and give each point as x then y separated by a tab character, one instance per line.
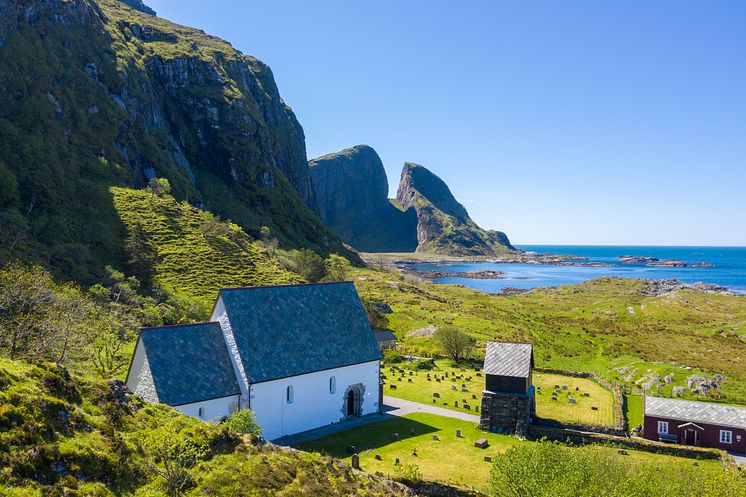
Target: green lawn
448	459
633	410
419	386
580	412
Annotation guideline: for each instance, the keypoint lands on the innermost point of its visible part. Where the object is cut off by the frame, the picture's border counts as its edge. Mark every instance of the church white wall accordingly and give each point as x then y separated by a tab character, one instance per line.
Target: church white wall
313	405
140	379
212	410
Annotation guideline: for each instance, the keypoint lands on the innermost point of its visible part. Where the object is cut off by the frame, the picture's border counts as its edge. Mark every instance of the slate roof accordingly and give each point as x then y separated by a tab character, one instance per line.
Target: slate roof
701	412
509	359
289	330
189	363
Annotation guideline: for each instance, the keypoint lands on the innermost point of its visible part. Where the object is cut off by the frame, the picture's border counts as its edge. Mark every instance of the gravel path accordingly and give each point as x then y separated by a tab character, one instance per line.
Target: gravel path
401	407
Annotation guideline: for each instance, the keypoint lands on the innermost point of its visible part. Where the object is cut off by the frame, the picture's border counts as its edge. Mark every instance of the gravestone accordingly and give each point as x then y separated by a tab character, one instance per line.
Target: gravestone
473	396
482	443
594	408
435	401
399	378
564	387
464	389
487	458
437	380
467	407
622	452
554	397
429	379
436	395
463	385
355	461
397	461
378	457
571	400
479	374
392	386
435	437
453	387
577	389
458	433
455	403
410	380
476	409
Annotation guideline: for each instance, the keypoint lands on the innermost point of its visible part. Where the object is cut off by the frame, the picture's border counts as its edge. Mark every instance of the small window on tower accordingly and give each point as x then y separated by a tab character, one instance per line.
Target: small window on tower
201	412
332	384
289	394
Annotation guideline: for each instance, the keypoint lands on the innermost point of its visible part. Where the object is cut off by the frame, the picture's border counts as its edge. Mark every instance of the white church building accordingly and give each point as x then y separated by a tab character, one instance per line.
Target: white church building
299	356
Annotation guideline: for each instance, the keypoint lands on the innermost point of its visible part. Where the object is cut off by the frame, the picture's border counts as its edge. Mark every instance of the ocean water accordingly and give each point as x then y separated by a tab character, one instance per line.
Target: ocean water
729	267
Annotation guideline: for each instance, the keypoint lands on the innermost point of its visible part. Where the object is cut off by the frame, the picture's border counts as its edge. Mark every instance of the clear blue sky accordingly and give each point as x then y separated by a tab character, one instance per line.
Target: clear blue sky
578	122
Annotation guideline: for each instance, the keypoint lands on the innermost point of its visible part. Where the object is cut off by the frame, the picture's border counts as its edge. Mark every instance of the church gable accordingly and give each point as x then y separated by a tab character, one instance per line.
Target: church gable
183	364
292	330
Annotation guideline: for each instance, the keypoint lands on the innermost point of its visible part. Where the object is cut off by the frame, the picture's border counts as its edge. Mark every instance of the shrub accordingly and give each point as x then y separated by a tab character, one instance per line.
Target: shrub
243	421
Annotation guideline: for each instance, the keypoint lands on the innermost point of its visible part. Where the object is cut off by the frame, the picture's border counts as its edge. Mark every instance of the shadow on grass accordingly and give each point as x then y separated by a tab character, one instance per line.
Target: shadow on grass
367	437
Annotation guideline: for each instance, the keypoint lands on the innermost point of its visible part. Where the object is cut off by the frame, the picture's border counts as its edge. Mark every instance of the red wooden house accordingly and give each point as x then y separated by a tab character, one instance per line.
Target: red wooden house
700	424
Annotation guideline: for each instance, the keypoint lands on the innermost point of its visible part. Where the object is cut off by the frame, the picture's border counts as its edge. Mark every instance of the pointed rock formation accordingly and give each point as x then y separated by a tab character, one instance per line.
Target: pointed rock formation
443	225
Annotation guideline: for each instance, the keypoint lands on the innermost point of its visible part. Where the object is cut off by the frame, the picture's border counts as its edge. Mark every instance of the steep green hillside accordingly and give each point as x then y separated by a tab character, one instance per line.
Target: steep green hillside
443	225
619	328
95	94
60	435
189	252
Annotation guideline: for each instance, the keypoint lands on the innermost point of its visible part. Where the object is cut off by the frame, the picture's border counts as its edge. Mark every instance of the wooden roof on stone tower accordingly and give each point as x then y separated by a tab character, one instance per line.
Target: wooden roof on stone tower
509	359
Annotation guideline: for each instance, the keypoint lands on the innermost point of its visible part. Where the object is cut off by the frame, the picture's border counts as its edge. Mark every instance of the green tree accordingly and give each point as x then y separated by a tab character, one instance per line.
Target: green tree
160	186
172	456
336	268
309	265
454	343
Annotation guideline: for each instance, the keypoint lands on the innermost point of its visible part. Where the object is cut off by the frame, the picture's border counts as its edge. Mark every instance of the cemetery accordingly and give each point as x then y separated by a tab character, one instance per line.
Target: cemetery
430	443
583	401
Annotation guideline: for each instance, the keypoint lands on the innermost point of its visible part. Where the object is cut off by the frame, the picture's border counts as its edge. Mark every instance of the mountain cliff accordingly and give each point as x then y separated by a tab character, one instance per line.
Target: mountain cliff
443	225
95	94
352	190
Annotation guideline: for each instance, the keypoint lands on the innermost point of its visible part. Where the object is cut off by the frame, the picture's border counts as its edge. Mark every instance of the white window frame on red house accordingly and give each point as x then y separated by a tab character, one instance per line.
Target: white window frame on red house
664	426
726	437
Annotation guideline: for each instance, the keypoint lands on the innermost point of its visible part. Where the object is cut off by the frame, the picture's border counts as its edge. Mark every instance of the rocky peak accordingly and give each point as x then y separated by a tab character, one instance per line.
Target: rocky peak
357	169
443	224
139	5
418	179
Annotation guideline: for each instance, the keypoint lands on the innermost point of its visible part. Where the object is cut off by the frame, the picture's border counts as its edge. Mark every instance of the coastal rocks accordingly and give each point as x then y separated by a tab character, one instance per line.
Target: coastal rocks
482	274
352	193
631	259
662	287
703	385
443	224
655	262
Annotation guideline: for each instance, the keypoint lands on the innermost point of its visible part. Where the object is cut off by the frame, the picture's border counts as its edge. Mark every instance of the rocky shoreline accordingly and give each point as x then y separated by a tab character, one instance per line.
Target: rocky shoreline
655	262
483	274
519	258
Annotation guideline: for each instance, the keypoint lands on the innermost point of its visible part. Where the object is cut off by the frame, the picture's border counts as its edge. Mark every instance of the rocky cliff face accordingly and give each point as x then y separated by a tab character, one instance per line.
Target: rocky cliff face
95	94
352	191
443	225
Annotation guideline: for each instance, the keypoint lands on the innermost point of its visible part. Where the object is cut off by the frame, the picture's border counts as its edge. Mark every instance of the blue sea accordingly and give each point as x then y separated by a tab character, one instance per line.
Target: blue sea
729	267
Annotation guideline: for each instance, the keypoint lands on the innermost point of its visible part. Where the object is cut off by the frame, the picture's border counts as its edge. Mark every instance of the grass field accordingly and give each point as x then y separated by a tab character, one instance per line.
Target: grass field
448	459
419	386
612	327
633	410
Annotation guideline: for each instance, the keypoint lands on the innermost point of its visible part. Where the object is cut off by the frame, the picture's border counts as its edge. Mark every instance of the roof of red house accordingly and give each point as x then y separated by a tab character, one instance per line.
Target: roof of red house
702	412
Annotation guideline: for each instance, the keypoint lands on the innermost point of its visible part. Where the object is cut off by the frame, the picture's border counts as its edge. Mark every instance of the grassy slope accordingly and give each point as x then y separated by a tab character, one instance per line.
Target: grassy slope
63	436
448	459
197	254
585	327
66	141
